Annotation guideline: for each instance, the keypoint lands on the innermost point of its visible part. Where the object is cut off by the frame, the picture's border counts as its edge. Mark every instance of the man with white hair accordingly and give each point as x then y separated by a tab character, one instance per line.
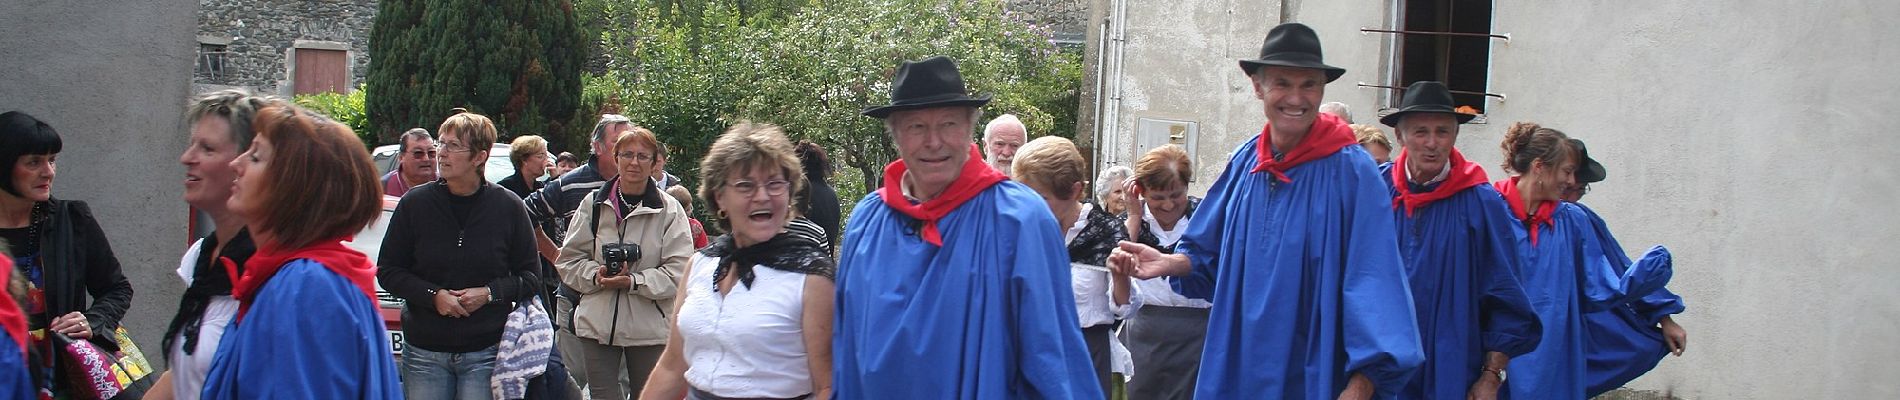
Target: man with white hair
1001	138
1337	109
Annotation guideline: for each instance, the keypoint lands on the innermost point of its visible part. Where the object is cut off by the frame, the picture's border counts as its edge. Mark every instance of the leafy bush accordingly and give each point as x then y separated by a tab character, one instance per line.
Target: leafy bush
344	108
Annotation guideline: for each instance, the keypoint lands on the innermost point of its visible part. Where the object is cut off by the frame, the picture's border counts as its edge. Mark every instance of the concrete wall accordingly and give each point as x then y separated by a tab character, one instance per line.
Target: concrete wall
112	78
1745	136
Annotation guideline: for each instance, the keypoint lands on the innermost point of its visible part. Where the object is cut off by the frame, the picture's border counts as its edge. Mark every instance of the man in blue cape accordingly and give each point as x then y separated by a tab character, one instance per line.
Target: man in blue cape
1296	241
953	282
1455	236
1627	341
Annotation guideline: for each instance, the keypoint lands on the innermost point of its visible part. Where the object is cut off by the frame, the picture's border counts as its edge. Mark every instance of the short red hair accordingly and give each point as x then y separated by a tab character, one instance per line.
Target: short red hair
323	184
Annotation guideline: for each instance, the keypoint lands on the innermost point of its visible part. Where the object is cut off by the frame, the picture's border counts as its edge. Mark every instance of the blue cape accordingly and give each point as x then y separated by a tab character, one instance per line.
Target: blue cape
310	334
1567	275
1306	281
16	381
1462	258
1624	342
990	315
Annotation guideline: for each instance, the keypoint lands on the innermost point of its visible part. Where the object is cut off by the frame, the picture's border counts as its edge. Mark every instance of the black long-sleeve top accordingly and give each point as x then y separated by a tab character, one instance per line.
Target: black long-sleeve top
439	241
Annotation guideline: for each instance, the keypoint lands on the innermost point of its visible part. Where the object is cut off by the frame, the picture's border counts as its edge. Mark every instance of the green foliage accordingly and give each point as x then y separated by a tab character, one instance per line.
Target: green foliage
344	108
692	68
518	62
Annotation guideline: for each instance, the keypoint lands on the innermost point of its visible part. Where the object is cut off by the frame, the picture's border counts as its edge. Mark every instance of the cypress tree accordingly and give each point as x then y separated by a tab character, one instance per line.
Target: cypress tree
516	61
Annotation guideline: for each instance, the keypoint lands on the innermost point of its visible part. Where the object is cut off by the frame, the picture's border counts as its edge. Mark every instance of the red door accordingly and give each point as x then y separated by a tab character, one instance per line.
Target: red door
321	71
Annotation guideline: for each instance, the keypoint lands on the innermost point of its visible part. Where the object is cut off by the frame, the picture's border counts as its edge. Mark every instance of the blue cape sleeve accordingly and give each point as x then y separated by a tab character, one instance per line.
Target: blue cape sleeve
1378	321
1508	325
1053	361
1651	307
1604	285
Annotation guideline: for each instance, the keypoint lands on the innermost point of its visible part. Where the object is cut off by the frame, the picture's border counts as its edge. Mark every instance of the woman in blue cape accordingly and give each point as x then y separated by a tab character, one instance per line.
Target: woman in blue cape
1565	272
307	325
1454	233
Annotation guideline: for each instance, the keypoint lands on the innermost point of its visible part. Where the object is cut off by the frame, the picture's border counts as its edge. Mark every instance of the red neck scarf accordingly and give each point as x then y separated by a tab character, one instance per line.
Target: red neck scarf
1327	136
974	178
330	253
12	318
1508	188
1464	175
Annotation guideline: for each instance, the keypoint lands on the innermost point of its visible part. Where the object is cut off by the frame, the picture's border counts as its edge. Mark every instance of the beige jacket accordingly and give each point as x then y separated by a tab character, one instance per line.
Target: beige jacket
626	317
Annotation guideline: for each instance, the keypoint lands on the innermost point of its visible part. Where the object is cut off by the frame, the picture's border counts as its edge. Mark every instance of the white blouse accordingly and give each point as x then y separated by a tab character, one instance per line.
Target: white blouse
1091	283
188	370
1159	291
748	343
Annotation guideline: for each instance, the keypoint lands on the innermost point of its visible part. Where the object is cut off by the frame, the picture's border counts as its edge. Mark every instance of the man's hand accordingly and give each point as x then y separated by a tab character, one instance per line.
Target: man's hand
1486	388
1674	337
473	298
546	246
446	304
1357	388
1142	262
72	324
621	281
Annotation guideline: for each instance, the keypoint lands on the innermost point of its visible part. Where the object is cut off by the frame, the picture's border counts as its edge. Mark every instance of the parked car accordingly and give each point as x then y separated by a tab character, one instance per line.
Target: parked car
370	242
498	165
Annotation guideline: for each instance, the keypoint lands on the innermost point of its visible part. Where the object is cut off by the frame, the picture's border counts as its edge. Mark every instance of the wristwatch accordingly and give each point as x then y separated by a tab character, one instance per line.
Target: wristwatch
1499	372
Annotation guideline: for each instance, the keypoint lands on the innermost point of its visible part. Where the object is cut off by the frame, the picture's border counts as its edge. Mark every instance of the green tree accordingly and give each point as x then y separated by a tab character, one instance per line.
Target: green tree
346	109
517	62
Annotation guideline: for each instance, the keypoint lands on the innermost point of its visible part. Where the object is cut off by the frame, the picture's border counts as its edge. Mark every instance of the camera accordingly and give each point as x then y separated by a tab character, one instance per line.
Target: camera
617	255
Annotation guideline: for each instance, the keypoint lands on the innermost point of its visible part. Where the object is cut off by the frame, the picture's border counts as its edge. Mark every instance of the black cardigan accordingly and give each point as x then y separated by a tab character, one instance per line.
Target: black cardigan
78	261
419	254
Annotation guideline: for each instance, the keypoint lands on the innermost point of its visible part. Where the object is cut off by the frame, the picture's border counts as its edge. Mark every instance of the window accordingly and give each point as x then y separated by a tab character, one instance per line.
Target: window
211	59
1447	41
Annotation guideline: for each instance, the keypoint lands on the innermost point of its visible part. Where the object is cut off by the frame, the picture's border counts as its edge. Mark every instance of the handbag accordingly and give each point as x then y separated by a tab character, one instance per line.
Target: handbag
93	373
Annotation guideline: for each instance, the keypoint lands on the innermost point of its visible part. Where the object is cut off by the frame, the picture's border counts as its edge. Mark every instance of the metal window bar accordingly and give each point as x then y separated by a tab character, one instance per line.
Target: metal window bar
1500	96
211	64
1505	36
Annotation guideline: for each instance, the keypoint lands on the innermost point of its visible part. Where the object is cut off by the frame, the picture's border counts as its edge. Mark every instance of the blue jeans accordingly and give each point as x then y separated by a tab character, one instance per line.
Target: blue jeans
428	375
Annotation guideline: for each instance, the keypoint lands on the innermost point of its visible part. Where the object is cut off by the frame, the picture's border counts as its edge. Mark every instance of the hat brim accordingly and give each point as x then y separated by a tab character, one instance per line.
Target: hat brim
959	100
1591	172
1392	120
1332	73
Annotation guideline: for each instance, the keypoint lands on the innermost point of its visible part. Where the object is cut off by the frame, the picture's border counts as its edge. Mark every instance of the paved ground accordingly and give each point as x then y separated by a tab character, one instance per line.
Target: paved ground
1633	394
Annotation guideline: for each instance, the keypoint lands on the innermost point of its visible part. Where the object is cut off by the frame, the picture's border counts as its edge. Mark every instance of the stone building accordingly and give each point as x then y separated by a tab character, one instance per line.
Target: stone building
1746	138
283	47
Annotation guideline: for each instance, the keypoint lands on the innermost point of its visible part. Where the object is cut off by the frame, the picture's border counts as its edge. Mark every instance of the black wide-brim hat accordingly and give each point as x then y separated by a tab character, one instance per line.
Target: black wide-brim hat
1295	45
1589	170
928	83
1425	97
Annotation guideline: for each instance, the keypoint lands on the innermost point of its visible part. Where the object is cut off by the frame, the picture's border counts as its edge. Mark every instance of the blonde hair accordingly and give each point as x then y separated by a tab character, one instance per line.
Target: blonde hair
685	198
1050	163
744	146
1369	135
477	132
1164	167
524	147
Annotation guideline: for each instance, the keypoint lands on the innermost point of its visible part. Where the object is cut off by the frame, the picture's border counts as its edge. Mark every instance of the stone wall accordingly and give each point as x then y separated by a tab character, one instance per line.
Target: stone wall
1064	18
262	33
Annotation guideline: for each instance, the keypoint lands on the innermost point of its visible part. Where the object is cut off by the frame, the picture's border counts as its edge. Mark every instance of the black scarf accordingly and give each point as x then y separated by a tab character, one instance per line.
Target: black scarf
785	252
208	280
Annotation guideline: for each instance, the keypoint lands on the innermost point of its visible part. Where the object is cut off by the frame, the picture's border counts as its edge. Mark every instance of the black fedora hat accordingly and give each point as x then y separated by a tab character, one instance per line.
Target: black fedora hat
928	83
1292	44
1425	97
1588	171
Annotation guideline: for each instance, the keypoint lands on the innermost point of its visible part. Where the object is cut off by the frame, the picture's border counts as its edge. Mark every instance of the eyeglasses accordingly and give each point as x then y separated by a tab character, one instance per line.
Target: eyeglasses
451	147
632	156
421	153
772	188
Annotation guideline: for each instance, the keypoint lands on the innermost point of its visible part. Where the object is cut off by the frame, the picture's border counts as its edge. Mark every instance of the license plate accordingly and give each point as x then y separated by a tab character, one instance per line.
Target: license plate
395	342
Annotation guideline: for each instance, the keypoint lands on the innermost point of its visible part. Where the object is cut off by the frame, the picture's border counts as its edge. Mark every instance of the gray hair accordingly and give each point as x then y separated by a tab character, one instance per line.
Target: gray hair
606	120
237	106
411	134
1110	179
1337	108
1004	121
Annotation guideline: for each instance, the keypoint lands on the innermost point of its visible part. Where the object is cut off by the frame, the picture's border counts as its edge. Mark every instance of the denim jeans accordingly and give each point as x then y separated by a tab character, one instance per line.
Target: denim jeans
428	375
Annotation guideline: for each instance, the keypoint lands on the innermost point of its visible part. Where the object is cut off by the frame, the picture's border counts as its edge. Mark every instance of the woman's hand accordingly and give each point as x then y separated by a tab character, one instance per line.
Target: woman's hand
605	281
472	299
73	324
446	304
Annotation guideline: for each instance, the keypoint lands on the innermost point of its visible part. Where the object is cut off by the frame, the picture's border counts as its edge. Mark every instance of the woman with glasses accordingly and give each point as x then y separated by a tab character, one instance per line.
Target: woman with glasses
626	245
755	308
461	251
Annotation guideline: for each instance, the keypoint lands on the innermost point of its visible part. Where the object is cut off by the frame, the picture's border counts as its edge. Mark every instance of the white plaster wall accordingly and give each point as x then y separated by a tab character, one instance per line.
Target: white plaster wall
1746	136
112	78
